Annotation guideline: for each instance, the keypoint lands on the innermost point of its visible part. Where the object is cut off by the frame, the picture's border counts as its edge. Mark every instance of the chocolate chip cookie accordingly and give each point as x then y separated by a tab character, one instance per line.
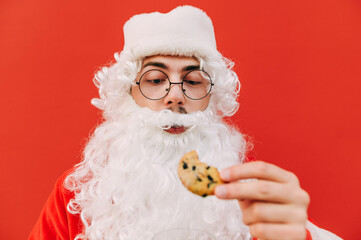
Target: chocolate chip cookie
196	176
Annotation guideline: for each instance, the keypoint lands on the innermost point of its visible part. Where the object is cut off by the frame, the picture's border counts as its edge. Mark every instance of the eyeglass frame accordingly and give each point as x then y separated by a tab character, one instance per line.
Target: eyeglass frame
170	84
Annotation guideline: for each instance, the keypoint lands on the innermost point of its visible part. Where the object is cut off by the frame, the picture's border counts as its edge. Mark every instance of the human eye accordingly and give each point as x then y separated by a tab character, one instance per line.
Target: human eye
154	78
192	82
155	81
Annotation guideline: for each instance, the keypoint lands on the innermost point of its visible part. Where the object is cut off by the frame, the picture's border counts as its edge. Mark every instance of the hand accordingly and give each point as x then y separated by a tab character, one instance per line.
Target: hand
274	205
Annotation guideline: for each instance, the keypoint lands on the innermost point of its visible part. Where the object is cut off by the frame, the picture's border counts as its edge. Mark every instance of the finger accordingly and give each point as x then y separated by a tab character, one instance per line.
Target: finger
274	213
263	191
259	170
278	231
245	203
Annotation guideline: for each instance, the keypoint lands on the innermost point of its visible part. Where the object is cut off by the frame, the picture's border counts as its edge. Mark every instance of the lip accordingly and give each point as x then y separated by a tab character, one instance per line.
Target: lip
176	129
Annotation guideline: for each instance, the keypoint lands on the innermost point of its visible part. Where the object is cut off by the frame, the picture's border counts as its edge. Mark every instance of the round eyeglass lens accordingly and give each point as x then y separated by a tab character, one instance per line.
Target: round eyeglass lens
154	84
197	84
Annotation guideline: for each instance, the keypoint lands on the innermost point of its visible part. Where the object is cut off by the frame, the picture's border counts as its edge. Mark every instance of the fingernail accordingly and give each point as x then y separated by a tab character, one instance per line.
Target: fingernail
221	191
225	174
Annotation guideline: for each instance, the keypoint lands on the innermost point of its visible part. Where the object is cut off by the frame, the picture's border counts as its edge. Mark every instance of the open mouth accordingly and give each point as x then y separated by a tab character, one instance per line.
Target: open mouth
176	129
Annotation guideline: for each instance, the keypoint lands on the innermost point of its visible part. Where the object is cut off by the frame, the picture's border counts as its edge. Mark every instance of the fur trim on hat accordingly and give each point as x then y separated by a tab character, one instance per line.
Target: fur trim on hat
184	31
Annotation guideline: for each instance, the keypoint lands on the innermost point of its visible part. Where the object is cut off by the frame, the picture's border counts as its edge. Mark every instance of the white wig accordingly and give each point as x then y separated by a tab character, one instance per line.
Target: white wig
184	31
116	80
119	157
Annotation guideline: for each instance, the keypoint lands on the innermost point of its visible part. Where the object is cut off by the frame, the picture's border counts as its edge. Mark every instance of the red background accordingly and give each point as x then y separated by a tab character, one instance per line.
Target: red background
299	63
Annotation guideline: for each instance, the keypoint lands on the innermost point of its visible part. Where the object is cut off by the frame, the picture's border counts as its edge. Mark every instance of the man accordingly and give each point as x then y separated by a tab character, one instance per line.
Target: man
166	95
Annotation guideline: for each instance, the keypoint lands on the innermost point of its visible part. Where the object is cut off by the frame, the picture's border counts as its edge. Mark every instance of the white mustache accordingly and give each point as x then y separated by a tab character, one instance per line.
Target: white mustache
165	119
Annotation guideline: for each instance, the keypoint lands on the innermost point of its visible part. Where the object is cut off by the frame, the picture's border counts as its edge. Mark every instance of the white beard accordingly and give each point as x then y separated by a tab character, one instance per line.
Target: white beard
133	191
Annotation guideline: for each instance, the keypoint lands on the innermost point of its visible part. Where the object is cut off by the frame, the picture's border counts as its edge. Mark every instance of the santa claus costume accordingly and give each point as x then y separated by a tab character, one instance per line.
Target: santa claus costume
126	186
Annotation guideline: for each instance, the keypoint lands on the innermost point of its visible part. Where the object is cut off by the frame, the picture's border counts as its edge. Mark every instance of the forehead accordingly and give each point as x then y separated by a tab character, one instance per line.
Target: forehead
171	61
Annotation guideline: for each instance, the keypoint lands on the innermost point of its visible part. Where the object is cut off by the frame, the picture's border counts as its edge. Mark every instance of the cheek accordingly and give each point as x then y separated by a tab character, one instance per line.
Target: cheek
204	103
198	105
142	101
137	95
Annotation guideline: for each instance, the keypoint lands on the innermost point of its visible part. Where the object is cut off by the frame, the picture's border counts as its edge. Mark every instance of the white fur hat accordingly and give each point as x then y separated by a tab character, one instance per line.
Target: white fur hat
184	31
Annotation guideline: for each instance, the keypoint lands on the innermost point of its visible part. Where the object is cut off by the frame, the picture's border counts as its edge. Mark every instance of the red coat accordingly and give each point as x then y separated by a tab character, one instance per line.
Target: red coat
55	222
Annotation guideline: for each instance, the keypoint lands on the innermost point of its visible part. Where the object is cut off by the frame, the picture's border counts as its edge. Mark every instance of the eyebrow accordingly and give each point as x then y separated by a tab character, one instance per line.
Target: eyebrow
164	66
191	67
156	64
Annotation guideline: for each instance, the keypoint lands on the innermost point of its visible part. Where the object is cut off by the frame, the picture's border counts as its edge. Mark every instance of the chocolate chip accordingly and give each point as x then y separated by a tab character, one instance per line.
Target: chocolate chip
185	165
198	179
209	184
208	167
210	178
194	168
204	195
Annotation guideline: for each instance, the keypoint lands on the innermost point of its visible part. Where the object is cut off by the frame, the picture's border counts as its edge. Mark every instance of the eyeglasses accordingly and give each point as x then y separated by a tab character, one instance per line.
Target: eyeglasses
154	84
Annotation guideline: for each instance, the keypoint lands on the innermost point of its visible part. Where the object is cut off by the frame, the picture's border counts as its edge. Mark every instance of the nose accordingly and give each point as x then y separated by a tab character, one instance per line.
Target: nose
175	96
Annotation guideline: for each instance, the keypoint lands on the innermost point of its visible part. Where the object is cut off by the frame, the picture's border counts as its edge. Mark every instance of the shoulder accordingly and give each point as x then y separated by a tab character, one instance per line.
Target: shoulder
60	190
55	220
